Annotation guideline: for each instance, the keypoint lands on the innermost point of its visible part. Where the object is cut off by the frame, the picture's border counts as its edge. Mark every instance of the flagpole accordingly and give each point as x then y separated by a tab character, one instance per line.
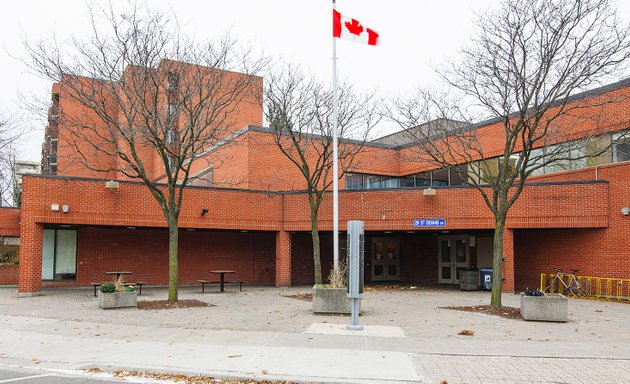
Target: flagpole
335	156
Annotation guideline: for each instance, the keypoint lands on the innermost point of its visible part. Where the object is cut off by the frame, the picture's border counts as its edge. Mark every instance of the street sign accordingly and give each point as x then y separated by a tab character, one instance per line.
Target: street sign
423	223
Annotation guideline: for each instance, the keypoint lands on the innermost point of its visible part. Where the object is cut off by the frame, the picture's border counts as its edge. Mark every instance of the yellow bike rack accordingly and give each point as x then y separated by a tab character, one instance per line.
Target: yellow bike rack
602	288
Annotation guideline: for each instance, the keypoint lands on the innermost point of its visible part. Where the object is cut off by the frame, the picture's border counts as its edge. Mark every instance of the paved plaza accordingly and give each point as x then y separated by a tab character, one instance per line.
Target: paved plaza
261	333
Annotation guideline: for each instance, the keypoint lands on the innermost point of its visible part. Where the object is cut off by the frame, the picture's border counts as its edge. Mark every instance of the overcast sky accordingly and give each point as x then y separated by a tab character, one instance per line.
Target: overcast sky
416	36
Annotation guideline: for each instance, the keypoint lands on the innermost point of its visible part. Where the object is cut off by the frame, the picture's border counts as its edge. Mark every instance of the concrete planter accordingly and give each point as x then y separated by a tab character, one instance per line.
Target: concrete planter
551	307
117	299
331	300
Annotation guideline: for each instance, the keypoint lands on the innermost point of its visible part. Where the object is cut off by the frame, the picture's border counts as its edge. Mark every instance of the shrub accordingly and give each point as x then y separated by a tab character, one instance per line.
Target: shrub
533	292
338	278
108	287
9	254
129	288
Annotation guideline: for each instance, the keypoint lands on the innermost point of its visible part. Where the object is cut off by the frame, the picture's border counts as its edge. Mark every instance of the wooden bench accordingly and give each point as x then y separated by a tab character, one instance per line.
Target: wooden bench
137	283
207	282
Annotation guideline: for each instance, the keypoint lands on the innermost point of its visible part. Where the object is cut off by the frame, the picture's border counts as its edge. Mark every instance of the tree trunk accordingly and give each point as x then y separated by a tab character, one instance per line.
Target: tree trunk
173	265
497	261
317	263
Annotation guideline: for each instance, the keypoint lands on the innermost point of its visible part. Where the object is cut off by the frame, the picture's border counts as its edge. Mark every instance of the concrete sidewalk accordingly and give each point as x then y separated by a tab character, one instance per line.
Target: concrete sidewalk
263	334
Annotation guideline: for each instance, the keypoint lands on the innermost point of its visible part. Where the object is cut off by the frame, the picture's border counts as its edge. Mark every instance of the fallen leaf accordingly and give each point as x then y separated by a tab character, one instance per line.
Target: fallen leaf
466	332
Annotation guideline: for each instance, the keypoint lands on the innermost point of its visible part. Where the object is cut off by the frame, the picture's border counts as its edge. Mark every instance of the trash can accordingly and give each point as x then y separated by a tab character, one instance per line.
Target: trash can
468	279
485	277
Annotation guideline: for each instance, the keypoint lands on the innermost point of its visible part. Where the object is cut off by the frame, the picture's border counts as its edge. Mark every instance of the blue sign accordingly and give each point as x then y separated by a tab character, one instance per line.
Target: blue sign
429	222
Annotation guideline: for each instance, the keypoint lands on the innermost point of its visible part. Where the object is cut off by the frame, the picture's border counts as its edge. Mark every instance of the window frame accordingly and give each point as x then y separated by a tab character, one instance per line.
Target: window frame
59	276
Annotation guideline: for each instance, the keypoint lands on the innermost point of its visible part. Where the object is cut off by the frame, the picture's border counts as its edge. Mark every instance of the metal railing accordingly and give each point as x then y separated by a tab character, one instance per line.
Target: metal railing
601	288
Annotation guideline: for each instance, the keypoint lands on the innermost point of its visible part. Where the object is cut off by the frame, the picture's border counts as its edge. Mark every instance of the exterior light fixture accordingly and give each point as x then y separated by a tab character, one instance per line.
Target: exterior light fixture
429	192
54	207
204	211
625	211
112	184
65	208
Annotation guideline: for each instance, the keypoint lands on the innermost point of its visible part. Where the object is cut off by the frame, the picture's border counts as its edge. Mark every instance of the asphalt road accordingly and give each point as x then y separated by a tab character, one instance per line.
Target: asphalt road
29	376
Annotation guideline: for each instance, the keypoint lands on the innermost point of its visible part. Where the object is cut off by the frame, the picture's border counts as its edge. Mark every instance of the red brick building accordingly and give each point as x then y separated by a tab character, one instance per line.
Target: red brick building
250	215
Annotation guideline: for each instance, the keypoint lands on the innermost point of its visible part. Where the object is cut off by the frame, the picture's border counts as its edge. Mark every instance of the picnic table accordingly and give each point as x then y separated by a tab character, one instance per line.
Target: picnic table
119	274
222	279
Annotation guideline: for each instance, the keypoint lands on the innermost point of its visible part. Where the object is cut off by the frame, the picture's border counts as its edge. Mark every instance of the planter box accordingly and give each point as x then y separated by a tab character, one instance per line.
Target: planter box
551	307
331	300
117	299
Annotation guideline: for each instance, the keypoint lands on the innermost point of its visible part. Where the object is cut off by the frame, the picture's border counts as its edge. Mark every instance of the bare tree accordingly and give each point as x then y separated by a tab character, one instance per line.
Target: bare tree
8	138
299	110
524	70
146	91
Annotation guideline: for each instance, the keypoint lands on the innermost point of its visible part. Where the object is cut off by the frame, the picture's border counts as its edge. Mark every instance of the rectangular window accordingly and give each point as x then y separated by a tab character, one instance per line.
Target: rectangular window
389	182
59	254
440	177
621	146
489	169
423	179
372	182
354	181
408	182
457	177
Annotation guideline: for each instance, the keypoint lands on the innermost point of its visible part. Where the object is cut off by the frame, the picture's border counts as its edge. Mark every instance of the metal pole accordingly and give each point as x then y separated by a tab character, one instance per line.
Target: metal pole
335	155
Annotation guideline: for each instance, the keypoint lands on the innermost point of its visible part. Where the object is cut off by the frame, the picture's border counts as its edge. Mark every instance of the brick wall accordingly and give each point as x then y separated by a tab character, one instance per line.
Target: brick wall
9	221
145	253
9	274
596	252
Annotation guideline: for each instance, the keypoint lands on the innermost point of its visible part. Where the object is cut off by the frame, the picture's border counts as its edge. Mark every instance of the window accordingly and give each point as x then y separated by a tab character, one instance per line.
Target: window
59	254
621	146
423	179
440	177
354	181
389	182
408	181
372	182
173	81
458	178
203	180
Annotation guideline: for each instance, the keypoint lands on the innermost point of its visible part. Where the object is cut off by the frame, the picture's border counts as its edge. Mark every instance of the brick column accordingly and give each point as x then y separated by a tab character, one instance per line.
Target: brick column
30	272
283	259
508	260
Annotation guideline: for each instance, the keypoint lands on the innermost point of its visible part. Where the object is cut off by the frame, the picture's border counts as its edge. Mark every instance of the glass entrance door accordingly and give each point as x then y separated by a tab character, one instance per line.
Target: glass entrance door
452	256
385	259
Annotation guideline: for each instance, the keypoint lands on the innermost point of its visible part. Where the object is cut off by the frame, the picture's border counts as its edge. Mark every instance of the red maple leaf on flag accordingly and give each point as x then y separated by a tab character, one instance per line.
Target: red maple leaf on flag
355	27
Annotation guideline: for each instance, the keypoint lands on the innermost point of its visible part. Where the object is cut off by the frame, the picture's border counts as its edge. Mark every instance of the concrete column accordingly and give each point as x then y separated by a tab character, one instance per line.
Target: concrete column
30	272
283	259
508	260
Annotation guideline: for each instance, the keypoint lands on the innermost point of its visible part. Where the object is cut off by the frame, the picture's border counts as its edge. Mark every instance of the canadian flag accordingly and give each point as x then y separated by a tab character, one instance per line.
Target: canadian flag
351	29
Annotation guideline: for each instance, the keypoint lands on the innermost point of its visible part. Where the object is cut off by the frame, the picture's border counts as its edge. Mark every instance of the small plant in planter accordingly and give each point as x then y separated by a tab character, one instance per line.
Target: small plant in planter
108	287
333	297
116	295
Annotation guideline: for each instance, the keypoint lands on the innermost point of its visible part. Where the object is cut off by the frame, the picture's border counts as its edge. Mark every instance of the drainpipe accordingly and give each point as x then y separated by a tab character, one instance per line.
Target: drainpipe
597	171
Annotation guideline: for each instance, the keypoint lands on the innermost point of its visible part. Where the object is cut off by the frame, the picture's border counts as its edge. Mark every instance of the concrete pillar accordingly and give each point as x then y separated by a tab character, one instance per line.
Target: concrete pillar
508	260
283	259
30	272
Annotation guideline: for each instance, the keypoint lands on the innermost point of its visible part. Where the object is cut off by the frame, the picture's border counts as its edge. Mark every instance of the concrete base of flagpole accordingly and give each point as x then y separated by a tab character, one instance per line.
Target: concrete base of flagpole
351	327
